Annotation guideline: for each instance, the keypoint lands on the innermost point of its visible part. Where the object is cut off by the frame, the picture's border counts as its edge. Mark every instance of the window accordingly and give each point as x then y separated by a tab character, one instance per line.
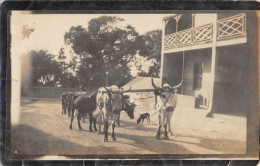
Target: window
197	76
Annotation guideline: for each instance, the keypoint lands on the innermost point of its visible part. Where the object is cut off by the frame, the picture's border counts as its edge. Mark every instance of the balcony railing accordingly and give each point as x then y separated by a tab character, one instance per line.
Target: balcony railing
232	27
227	28
192	36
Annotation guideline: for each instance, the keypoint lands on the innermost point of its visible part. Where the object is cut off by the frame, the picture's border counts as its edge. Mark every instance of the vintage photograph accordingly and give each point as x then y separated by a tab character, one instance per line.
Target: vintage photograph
129	84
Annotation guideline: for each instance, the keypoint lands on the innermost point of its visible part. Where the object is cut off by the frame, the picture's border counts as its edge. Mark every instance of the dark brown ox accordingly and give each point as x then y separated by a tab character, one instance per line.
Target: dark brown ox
85	103
165	105
109	104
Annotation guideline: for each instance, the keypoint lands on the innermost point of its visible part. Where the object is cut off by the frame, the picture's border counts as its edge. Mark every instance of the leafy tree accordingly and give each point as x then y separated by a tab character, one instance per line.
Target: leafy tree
103	47
45	70
150	47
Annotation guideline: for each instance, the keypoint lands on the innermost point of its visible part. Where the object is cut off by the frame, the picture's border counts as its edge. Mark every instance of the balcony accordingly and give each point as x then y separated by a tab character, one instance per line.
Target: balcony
231	27
227	29
188	37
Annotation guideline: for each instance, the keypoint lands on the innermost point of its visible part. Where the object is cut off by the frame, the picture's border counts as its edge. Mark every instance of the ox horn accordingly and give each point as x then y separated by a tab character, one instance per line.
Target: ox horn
154	86
177	86
122	91
119	91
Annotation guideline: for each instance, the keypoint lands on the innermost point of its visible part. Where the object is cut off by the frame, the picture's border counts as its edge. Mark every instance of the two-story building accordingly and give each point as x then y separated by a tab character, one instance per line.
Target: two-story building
213	53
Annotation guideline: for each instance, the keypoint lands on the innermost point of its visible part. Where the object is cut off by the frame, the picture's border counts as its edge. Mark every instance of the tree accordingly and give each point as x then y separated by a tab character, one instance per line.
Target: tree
103	47
150	47
45	70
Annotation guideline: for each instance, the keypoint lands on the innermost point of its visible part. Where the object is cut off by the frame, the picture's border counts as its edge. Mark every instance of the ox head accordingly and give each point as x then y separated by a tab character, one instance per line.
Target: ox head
116	98
129	109
164	91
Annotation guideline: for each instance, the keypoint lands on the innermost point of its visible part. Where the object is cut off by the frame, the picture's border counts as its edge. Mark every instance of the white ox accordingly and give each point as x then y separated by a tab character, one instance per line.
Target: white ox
166	102
109	104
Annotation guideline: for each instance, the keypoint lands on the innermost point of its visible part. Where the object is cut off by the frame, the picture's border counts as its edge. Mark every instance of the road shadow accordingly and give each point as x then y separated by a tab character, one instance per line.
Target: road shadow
221	145
28	141
166	146
133	125
149	143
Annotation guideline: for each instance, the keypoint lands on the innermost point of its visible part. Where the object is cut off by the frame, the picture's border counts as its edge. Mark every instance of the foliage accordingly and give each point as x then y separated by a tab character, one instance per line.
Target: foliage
150	48
45	70
103	52
103	47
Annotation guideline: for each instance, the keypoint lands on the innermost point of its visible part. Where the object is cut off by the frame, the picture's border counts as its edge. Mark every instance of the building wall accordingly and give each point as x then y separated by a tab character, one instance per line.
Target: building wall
231	79
172	71
202	19
191	58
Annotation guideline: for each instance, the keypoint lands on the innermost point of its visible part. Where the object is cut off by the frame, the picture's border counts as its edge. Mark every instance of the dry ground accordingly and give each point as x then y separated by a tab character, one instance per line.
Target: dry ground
44	131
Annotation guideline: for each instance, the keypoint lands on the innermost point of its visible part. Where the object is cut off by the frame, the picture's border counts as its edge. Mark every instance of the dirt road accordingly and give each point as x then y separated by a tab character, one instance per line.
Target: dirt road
43	130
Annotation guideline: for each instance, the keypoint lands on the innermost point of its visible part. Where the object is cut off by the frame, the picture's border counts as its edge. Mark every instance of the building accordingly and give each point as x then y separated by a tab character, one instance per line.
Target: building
214	54
141	83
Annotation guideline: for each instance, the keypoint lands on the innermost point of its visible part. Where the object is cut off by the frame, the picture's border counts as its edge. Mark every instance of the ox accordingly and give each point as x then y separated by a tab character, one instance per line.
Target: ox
128	107
73	98
109	104
84	104
69	99
165	105
63	103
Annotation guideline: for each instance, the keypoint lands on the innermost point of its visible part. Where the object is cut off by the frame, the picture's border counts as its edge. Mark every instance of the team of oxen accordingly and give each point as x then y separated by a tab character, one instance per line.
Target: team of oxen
105	105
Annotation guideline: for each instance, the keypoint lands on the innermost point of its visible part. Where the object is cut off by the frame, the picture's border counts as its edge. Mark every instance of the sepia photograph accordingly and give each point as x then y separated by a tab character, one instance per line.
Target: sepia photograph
172	85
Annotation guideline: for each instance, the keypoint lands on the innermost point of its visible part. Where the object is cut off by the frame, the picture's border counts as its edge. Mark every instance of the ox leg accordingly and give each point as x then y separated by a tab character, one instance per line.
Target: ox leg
83	118
62	108
106	129
169	123
90	122
99	118
165	119
65	110
78	117
72	117
95	122
69	111
159	126
113	131
118	120
165	131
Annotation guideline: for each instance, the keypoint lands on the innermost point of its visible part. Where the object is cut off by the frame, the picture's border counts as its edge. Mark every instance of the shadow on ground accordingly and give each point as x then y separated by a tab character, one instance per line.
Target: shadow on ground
26	140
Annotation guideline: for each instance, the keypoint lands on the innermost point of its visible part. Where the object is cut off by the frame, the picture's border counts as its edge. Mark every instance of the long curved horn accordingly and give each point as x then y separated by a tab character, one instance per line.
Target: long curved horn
118	91
123	91
110	91
154	86
177	86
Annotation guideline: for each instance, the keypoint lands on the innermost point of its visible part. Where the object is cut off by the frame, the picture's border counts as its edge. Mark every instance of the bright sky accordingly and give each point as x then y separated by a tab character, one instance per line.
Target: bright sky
50	28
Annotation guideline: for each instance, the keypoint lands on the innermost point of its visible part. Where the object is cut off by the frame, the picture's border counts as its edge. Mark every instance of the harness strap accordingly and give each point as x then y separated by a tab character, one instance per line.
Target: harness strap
164	103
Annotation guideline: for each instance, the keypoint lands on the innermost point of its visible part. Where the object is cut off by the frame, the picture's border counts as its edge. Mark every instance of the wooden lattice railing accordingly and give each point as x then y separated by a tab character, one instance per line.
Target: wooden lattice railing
170	40
184	37
227	28
202	34
192	36
232	27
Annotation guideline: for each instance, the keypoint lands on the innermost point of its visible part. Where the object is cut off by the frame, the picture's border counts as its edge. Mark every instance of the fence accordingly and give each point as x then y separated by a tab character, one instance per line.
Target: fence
47	92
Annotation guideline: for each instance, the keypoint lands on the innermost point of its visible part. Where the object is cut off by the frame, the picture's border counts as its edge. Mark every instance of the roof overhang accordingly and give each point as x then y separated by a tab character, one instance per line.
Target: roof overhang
171	16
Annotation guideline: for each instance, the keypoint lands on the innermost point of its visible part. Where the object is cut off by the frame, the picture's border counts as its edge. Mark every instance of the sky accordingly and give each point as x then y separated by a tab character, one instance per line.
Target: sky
50	28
